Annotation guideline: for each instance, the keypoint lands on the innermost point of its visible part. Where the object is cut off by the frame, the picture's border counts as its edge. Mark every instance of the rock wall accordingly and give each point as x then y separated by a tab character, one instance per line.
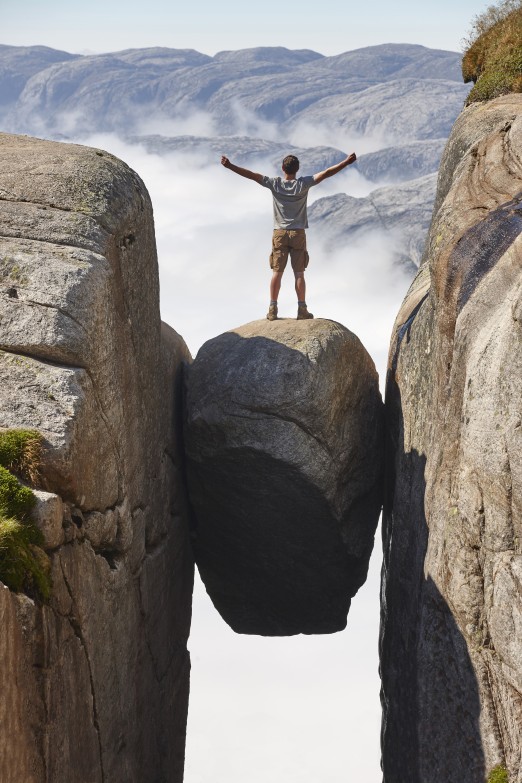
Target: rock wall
451	631
284	439
95	684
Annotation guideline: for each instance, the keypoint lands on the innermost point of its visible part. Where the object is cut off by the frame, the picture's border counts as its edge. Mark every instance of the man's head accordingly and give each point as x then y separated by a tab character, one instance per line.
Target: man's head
291	165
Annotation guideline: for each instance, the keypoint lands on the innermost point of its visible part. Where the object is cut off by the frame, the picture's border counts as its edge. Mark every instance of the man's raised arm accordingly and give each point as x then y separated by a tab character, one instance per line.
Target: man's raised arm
242	172
335	169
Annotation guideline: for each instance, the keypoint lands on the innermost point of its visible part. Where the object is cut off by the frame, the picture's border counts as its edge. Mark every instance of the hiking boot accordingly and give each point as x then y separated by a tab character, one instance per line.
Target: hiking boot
272	313
303	314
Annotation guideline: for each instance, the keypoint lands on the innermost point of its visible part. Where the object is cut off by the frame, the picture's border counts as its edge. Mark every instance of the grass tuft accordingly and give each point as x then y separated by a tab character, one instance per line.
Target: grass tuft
21	453
493	58
24	566
15	500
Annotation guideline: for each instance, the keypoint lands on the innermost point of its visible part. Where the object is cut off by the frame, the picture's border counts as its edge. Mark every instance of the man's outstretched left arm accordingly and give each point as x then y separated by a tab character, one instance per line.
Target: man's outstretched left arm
335	169
242	172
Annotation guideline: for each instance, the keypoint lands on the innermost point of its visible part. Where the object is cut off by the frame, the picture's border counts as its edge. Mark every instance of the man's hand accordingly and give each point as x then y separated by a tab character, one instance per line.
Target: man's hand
238	170
335	169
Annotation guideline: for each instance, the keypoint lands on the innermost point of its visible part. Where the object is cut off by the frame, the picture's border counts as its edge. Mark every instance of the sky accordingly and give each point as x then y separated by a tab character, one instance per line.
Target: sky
328	26
302	709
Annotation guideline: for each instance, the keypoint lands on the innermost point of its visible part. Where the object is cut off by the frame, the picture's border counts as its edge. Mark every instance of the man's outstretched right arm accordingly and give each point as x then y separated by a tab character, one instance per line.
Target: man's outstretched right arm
242	172
335	169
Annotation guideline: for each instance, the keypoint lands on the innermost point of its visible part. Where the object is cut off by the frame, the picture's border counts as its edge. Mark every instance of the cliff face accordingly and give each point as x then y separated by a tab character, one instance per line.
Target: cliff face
284	459
452	603
95	684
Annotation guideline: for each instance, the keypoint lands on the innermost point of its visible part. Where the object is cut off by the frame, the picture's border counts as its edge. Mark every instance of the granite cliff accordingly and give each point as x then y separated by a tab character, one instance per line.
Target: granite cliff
452	603
95	682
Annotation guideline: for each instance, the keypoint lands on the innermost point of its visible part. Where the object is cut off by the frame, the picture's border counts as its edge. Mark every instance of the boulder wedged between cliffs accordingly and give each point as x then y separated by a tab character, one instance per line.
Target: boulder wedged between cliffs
283	439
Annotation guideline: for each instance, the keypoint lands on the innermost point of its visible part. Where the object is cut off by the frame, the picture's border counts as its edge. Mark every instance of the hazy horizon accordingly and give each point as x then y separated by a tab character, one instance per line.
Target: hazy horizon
332	27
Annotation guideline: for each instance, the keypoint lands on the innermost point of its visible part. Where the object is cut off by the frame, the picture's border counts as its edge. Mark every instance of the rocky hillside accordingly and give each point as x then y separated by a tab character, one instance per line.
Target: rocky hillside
452	602
398	101
94	679
265	84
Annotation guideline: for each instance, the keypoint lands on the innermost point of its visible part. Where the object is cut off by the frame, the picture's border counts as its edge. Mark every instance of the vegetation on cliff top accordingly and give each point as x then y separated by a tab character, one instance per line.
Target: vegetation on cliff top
24	566
493	56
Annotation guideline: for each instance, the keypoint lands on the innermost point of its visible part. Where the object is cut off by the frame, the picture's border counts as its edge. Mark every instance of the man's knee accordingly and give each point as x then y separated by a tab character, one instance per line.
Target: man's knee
299	275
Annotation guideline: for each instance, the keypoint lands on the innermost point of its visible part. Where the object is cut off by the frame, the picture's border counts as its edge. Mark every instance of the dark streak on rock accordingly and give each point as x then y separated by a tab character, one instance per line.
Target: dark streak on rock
482	247
405	330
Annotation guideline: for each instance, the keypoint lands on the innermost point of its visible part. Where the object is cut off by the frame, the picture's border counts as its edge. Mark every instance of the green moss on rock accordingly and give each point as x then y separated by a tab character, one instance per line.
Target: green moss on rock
498	775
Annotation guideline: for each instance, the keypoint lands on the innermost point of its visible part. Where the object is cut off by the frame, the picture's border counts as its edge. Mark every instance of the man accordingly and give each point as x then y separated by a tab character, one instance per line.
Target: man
290	220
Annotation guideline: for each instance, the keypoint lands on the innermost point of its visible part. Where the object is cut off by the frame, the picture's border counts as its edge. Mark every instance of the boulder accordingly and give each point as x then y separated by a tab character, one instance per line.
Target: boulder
452	596
283	429
95	684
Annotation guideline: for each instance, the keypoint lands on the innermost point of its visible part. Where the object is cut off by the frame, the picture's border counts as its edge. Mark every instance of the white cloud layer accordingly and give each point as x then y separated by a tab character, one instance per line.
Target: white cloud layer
300	709
213	231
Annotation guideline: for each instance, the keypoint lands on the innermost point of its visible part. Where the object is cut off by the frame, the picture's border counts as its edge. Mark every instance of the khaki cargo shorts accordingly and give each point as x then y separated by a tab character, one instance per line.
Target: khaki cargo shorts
286	241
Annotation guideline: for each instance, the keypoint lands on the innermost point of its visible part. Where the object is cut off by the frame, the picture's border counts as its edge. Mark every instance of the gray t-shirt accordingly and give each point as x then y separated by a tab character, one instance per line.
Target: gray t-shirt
289	197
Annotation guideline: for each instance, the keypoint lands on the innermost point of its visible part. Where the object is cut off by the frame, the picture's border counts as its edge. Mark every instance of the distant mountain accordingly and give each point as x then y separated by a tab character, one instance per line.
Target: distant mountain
256	105
405	109
114	92
402	162
244	150
401	213
19	63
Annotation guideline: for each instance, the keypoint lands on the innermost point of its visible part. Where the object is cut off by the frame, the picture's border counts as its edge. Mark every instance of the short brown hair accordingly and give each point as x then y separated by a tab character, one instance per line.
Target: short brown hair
291	164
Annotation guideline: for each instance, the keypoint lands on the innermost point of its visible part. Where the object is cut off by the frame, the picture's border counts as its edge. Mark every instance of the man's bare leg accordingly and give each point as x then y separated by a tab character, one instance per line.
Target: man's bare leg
275	285
300	286
300	289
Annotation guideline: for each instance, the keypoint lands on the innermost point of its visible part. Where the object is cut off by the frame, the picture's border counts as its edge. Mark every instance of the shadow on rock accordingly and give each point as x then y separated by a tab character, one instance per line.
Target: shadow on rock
430	694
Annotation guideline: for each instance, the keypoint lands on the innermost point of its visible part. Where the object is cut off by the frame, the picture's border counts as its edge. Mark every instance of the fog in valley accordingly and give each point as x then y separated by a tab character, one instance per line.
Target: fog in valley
213	231
290	710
